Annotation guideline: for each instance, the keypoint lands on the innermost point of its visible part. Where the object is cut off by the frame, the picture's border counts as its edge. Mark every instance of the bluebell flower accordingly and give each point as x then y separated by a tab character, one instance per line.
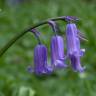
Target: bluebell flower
57	47
40	60
73	47
57	52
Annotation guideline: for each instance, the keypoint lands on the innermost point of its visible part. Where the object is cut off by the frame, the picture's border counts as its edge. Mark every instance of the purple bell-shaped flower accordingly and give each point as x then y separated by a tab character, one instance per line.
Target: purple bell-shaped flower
40	60
73	47
56	47
57	52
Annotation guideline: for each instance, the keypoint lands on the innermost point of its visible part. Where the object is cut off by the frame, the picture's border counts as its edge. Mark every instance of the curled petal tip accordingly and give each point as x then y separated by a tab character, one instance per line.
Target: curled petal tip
49	69
82	51
60	64
30	69
82	69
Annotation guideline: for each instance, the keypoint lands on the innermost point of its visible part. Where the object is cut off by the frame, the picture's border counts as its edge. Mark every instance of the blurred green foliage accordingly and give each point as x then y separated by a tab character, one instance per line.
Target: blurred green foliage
14	78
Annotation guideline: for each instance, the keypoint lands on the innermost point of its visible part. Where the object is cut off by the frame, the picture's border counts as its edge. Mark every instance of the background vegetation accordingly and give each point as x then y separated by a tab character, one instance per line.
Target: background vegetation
15	16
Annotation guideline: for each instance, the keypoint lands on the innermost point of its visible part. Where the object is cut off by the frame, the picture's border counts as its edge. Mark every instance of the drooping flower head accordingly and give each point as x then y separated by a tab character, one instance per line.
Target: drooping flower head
73	47
57	48
57	52
40	60
40	57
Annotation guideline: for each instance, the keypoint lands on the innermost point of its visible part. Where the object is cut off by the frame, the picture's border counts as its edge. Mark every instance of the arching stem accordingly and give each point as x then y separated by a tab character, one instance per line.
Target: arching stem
15	38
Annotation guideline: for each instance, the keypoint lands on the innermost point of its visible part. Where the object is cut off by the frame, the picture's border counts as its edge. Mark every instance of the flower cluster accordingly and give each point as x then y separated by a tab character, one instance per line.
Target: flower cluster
57	55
